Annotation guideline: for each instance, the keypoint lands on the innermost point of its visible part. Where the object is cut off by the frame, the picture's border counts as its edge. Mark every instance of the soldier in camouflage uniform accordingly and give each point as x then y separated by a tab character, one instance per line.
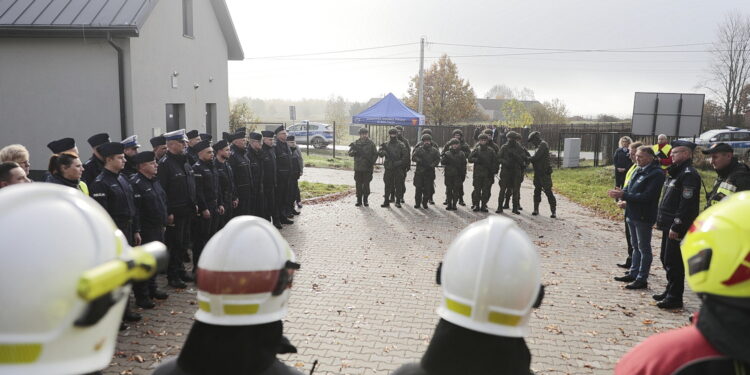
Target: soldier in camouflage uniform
513	160
485	166
463	146
365	154
417	146
542	174
396	156
426	157
398	195
454	169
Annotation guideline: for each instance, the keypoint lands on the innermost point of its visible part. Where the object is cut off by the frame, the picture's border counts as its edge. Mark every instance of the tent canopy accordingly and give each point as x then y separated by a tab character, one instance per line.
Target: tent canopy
389	111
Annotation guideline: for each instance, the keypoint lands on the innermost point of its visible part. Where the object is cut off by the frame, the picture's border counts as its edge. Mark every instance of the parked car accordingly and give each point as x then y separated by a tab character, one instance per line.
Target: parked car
321	135
738	138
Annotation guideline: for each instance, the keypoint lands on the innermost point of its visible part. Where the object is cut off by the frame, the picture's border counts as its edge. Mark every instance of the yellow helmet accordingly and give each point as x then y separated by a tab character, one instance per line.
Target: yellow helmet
716	250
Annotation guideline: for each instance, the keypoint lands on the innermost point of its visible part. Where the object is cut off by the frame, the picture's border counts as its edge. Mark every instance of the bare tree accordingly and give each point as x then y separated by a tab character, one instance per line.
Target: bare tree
731	65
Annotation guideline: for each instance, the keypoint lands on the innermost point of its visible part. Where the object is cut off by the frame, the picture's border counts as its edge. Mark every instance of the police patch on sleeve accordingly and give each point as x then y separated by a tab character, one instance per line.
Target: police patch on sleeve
687	193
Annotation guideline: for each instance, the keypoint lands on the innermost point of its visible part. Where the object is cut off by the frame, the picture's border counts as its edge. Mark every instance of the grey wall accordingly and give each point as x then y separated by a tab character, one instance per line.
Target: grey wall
161	50
55	88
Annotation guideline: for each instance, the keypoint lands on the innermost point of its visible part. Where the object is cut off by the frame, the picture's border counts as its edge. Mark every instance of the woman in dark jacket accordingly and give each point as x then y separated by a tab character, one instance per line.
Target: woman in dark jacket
67	169
622	161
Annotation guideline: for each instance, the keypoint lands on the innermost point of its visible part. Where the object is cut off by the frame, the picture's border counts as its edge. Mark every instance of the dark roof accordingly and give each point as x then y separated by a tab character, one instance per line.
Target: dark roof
73	17
88	18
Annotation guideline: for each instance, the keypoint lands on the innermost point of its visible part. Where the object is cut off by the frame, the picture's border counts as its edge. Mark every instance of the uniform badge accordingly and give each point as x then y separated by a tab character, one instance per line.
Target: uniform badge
687	193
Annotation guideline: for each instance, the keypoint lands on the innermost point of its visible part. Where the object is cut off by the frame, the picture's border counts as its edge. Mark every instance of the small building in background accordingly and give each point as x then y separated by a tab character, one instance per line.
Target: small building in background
73	68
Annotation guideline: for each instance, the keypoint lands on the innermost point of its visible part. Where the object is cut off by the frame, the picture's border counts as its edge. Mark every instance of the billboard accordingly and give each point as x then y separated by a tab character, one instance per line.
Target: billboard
675	115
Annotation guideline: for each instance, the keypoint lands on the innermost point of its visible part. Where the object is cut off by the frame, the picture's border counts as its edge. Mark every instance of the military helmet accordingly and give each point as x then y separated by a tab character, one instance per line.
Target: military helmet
427	131
716	250
483	136
458	131
535	134
426	137
364	130
513	135
487	131
392	131
453	141
399	128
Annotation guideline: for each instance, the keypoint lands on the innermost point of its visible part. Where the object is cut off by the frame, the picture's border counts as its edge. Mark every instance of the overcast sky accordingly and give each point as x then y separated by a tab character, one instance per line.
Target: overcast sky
589	83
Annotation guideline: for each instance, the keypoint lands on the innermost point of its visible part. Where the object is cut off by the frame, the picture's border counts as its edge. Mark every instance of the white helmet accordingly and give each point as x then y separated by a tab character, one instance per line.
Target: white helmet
491	279
64	268
244	274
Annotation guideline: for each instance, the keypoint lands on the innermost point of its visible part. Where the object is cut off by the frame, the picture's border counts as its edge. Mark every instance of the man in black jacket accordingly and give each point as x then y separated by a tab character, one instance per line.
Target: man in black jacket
458	134
485	167
151	205
226	181
454	169
176	177
268	164
365	154
193	137
732	176
243	177
396	155
679	206
208	197
255	157
93	166
283	175
641	198
426	157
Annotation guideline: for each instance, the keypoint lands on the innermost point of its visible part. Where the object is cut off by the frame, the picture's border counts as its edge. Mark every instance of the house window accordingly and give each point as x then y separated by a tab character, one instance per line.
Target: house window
187	18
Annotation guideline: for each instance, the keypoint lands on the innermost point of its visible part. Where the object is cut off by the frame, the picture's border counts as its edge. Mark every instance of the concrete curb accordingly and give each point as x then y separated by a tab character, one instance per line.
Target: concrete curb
328	198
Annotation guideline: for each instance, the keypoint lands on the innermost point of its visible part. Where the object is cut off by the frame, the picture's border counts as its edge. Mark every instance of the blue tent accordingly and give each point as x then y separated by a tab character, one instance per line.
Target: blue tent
389	111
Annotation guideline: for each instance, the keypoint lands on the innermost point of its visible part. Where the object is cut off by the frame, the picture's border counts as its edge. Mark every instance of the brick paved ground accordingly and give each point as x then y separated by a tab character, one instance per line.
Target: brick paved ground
364	301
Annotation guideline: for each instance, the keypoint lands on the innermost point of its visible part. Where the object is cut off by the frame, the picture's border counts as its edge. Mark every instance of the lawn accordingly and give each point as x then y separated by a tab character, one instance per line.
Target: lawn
588	187
316	189
325	159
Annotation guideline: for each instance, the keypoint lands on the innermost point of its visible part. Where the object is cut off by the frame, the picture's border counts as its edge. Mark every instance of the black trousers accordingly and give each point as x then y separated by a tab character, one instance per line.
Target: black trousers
671	259
244	193
178	237
148	234
206	229
482	190
424	186
293	194
453	189
510	185
391	179
620	178
282	194
362	183
627	238
269	203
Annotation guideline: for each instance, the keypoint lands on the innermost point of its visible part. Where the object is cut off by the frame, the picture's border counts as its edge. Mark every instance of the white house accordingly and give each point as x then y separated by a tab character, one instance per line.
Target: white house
73	68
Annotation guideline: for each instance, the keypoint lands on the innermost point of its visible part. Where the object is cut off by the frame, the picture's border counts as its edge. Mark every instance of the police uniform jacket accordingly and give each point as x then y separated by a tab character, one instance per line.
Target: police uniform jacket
150	202
297	164
642	194
268	163
130	169
240	164
206	185
283	158
91	169
177	180
115	194
226	181
680	202
256	167
733	178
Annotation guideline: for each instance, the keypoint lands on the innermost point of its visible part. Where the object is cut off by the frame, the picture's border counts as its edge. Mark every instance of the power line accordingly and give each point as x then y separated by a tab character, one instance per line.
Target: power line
331	52
566	49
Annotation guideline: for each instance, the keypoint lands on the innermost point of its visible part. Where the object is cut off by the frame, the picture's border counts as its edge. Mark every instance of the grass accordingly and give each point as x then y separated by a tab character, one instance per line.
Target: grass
316	189
588	187
315	159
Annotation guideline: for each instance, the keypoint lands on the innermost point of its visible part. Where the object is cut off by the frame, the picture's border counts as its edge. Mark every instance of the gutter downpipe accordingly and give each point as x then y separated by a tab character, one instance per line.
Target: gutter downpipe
121	85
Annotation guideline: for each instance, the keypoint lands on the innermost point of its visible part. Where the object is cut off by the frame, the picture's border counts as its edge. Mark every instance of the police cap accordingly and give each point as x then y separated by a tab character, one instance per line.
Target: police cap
61	145
97	140
220	145
111	148
192	134
718	147
143	157
256	136
202	145
158	141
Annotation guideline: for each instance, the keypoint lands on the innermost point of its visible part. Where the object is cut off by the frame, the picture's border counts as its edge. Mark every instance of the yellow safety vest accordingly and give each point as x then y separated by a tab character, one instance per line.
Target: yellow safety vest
665	150
83	188
629	174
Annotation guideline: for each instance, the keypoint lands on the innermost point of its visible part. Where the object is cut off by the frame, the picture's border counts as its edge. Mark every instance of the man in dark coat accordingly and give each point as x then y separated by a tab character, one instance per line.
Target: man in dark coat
365	154
243	177
227	189
255	157
463	146
193	137
208	197
426	157
454	169
176	177
513	159
396	155
159	145
678	209
268	163
151	204
401	186
283	175
542	174
298	166
731	175
485	167
93	166
131	149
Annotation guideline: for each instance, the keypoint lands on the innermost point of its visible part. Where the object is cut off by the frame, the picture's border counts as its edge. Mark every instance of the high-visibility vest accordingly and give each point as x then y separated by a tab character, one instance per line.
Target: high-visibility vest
83	188
666	149
629	174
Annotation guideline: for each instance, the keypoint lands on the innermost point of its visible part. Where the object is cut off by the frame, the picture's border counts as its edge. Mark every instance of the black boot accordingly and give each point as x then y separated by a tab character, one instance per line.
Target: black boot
484	208
499	210
536	209
516	211
425	201
359	200
158	294
365	202
177	283
553	208
398	203
461	201
386	203
144	302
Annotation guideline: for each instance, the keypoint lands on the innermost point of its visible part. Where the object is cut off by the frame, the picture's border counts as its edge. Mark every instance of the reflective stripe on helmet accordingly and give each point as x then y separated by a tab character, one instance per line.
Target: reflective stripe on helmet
493	316
247	309
458	307
237	282
19	353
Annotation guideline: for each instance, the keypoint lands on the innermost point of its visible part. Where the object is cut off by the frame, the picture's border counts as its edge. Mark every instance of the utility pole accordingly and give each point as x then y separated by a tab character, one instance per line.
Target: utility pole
420	107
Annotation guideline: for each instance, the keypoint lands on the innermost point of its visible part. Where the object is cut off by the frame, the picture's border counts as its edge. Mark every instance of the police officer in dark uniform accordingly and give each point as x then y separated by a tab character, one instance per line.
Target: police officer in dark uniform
210	202
293	195
426	157
115	194
283	175
151	204
406	167
454	169
193	137
93	166
485	163
732	176
365	155
159	145
255	157
680	204
268	163
542	174
176	177
227	189
131	149
243	178
458	134
60	146
396	155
